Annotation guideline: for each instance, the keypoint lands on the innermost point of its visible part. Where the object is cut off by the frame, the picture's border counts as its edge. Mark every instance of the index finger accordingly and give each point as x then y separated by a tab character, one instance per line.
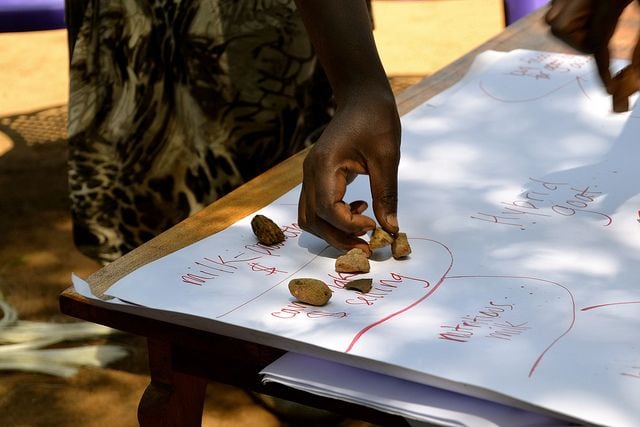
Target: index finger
384	191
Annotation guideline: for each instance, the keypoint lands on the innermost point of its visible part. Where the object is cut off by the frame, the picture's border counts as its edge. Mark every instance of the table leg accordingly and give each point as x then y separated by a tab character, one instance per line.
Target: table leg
172	398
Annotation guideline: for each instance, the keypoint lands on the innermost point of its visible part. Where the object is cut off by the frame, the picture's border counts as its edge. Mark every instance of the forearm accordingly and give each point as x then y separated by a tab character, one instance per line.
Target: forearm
341	33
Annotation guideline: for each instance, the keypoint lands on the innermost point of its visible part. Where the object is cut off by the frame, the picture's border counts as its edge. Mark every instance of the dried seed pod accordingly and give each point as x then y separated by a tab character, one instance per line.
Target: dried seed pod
400	247
310	291
354	261
362	285
380	239
267	231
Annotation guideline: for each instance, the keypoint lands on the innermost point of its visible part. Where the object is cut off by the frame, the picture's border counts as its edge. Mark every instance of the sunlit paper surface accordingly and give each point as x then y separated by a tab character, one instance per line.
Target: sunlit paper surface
519	193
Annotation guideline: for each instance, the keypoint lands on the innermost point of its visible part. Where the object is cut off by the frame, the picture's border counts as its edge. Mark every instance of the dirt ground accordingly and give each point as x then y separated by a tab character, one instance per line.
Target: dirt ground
37	255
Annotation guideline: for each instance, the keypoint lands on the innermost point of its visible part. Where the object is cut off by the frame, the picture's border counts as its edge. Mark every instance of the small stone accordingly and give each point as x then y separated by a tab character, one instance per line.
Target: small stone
354	261
310	291
362	285
400	247
267	231
380	239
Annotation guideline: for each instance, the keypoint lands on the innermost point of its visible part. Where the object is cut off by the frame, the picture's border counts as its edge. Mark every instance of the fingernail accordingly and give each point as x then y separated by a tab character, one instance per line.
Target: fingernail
392	220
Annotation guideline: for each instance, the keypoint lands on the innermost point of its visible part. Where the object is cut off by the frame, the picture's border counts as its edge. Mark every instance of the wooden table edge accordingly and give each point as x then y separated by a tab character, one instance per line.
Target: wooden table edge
244	201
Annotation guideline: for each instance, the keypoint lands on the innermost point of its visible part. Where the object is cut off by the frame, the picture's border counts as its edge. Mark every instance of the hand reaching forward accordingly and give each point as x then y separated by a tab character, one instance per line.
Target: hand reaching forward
362	138
588	25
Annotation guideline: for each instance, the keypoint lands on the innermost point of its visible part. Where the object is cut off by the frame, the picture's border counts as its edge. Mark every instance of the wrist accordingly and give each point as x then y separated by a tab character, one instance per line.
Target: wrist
362	91
370	112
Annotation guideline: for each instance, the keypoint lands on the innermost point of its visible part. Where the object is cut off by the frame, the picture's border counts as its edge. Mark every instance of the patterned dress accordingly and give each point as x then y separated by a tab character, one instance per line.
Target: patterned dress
174	103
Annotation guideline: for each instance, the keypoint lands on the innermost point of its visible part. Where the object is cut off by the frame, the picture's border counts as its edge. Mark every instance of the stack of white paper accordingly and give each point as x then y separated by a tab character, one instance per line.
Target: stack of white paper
416	402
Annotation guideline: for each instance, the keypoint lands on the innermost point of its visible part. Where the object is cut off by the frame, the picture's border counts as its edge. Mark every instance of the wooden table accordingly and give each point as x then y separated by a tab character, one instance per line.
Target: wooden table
183	358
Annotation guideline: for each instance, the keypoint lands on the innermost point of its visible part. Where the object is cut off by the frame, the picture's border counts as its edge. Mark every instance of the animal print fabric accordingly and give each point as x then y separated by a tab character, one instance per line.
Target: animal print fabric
174	103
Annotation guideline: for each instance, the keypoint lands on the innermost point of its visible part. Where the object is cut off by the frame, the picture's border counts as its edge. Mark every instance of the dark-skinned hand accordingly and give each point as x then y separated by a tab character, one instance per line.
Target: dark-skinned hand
588	25
362	138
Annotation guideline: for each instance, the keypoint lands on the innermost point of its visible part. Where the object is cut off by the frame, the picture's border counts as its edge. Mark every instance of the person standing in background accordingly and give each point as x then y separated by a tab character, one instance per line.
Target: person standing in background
175	103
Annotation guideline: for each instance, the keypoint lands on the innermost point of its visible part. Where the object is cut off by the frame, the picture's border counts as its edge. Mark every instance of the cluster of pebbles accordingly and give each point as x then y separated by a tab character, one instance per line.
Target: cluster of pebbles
316	292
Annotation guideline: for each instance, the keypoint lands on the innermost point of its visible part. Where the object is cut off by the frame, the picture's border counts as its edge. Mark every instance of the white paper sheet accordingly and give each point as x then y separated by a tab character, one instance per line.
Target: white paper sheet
417	402
82	288
519	194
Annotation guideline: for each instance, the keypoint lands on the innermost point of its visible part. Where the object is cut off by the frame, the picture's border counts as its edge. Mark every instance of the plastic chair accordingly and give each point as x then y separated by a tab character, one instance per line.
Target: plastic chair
516	9
31	15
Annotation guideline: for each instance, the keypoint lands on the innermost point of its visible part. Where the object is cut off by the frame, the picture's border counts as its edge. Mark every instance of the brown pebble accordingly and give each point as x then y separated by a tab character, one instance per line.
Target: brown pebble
380	239
354	261
267	231
310	291
362	285
400	247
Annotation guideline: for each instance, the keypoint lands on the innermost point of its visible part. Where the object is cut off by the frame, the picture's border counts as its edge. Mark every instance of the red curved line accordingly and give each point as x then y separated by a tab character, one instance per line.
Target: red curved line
584	92
512	101
609	219
573	312
364	330
609	304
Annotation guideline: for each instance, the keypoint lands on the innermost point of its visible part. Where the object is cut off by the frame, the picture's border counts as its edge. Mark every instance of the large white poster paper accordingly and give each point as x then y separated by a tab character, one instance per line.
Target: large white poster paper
519	192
